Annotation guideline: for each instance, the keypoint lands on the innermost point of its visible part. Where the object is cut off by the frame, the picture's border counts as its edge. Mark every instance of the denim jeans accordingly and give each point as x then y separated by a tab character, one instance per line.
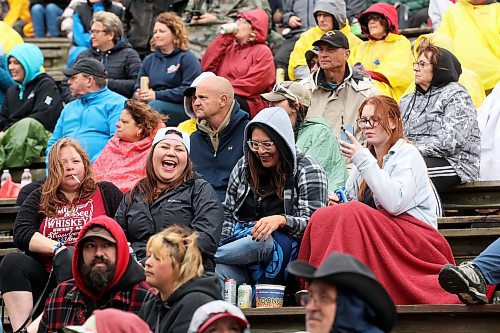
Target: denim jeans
489	262
46	17
231	259
174	111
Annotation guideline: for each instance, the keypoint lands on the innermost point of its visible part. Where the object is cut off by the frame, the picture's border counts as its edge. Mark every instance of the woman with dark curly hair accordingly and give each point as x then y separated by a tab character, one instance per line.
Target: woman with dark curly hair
124	156
50	220
171	68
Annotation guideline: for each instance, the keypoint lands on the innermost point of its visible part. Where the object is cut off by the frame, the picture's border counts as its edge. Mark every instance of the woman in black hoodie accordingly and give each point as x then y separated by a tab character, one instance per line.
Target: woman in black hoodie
174	267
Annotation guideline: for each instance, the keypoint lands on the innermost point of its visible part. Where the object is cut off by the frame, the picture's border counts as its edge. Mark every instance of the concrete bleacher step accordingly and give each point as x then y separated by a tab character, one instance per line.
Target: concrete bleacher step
472	195
411	318
55	52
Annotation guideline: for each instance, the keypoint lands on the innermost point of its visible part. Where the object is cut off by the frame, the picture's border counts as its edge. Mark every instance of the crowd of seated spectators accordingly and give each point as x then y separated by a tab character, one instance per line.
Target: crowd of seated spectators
234	172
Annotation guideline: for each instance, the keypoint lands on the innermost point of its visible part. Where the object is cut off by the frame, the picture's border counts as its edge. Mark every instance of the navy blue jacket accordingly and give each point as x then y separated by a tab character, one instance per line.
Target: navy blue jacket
170	74
215	167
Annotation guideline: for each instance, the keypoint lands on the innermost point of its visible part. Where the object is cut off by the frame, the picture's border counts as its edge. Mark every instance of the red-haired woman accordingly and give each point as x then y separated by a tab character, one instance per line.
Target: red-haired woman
391	224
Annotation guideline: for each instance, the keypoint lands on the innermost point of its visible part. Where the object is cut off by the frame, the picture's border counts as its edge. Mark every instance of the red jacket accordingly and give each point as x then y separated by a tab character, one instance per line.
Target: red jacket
71	302
250	67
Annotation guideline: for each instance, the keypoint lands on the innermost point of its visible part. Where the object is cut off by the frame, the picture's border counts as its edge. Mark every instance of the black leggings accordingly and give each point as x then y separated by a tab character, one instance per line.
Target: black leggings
443	176
19	272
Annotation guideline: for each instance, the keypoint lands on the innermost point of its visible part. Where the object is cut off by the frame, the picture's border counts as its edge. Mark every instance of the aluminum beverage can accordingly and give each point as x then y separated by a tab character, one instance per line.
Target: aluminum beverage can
244	296
230	290
228	28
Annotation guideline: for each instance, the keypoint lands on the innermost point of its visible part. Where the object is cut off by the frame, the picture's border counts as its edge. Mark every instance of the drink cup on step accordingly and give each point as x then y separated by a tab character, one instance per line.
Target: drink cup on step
228	28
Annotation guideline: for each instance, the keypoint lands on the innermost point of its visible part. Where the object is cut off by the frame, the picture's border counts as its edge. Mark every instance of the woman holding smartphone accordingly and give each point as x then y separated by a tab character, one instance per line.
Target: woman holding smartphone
391	224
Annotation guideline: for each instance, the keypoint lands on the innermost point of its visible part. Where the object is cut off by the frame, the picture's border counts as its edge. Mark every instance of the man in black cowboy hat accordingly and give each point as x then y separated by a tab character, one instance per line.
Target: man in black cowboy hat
344	296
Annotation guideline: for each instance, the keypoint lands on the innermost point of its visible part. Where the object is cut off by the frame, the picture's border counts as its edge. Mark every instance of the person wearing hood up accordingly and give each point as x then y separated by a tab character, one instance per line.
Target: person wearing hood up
112	49
218	317
111	321
105	275
329	15
244	59
170	69
171	193
272	192
31	108
473	27
174	267
343	296
217	145
440	118
385	56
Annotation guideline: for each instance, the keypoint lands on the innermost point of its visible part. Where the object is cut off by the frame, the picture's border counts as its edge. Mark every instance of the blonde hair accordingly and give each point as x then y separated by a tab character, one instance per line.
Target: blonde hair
179	244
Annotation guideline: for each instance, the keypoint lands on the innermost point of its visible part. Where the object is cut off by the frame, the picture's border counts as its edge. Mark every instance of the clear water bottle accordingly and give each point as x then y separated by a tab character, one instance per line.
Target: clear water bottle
26	177
5	175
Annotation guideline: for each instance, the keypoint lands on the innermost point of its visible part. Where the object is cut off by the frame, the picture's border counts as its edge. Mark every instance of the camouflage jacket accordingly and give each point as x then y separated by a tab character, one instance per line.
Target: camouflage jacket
442	123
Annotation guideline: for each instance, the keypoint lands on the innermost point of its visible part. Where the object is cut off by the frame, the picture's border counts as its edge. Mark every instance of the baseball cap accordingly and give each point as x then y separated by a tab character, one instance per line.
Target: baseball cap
88	66
163	133
99	231
335	38
292	90
209	313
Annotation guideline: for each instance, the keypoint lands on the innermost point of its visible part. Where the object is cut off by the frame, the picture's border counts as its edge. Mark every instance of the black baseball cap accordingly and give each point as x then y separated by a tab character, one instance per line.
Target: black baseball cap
335	38
88	66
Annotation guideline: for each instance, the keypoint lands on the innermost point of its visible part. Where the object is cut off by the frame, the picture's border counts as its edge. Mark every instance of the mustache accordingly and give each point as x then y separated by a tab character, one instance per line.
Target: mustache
99	260
315	315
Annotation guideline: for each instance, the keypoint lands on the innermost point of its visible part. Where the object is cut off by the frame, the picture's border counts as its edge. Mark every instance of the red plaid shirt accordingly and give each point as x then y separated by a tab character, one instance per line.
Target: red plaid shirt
67	305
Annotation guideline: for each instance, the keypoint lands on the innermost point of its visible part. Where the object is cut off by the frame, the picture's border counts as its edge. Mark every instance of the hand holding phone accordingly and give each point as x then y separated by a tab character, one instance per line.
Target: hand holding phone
344	136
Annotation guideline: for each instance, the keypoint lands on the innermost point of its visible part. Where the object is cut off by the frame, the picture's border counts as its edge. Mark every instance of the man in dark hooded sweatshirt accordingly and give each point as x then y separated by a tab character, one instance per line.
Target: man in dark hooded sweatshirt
105	276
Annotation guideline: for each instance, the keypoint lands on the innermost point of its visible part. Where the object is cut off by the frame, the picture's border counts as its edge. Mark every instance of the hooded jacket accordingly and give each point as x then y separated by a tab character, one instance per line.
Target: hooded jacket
337	8
474	29
305	191
469	78
72	302
91	119
174	314
389	60
169	74
442	122
215	165
37	97
249	67
122	63
193	204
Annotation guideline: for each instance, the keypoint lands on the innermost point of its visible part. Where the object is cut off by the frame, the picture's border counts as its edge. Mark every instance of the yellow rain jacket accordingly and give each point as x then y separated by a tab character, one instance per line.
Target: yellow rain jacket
305	42
20	10
475	30
8	37
390	57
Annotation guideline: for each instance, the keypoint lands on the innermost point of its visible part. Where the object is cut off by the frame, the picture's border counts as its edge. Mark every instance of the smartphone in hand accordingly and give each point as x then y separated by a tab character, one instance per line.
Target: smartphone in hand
344	136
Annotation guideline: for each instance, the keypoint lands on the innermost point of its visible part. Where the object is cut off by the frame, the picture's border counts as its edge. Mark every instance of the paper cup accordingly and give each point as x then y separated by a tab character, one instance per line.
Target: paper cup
269	295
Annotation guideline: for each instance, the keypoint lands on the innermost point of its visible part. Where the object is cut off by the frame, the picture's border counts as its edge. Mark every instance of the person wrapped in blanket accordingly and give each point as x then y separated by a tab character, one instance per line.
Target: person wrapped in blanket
272	192
390	224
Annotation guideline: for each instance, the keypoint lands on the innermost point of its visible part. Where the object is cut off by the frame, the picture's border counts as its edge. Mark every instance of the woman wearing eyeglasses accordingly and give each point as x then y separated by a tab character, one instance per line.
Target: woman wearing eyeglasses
171	194
244	59
440	119
391	222
385	56
272	192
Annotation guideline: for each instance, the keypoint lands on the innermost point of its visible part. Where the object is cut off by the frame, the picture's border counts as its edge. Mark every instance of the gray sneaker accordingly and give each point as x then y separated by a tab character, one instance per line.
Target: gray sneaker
466	281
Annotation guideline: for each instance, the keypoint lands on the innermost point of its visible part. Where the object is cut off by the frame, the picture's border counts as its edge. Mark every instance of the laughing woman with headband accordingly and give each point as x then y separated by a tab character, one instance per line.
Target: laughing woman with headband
50	220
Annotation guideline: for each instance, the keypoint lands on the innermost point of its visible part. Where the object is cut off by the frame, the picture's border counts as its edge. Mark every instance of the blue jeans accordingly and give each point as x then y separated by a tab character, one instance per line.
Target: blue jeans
489	263
43	17
231	259
174	111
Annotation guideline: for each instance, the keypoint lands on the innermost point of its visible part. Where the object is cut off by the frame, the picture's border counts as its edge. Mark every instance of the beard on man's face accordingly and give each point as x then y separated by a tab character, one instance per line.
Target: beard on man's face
97	278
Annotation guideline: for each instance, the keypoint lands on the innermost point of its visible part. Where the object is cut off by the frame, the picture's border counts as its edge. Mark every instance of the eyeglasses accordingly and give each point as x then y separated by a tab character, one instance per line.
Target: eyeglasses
421	64
320	299
371	122
242	20
374	17
267	146
281	88
95	31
